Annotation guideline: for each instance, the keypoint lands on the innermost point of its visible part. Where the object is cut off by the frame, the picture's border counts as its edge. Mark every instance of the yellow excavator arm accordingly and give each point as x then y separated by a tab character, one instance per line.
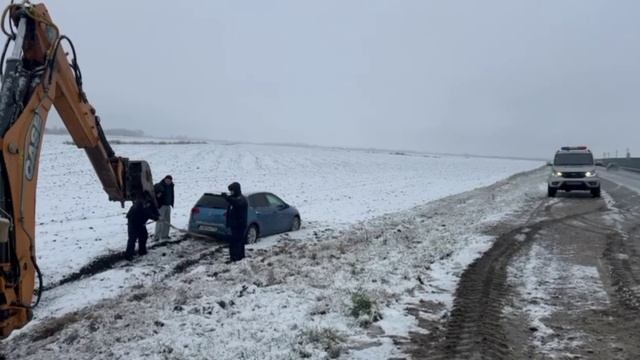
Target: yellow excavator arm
38	75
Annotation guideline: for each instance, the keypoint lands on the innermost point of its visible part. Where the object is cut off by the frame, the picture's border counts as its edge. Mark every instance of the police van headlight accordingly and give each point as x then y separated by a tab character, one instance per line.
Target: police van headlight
590	174
557	173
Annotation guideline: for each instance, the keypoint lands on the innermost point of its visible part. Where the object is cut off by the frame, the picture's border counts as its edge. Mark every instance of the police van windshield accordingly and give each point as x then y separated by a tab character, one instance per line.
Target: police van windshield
573	159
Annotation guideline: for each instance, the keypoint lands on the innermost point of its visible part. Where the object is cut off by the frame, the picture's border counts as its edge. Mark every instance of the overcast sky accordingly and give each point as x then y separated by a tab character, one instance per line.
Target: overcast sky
487	77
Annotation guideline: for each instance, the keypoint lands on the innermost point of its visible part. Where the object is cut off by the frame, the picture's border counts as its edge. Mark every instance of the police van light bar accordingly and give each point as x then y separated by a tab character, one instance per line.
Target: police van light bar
574	148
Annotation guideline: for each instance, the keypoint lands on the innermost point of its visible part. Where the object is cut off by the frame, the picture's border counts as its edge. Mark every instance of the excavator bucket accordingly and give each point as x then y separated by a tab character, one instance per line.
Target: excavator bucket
139	181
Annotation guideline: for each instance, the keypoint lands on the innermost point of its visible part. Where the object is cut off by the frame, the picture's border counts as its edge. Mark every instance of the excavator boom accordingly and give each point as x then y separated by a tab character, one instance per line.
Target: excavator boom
37	76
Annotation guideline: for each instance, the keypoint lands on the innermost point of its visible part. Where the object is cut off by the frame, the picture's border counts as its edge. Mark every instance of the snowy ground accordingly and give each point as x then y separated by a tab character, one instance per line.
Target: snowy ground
339	288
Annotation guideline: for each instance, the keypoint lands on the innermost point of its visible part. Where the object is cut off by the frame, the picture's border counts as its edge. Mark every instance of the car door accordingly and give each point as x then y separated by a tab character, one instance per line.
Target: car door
265	214
281	215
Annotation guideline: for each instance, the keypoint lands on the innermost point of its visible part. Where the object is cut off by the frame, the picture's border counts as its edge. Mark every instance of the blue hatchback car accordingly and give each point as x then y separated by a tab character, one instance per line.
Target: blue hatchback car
267	215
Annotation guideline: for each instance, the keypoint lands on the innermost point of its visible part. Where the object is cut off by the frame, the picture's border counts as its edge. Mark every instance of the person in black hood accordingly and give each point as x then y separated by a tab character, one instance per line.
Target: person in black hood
236	221
140	212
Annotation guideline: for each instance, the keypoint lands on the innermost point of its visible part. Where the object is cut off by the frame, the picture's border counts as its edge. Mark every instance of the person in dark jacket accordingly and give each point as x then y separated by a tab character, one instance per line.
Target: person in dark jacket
236	221
141	211
164	198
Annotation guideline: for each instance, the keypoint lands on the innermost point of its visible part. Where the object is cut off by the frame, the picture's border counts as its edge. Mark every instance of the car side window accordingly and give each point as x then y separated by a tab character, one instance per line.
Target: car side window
258	200
274	201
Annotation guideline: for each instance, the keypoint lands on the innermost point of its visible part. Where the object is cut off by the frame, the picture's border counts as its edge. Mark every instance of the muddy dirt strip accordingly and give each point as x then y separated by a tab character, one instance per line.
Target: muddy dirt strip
563	284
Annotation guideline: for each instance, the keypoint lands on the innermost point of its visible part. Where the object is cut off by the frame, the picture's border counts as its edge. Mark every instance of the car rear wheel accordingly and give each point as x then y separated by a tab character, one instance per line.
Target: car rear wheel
295	226
252	234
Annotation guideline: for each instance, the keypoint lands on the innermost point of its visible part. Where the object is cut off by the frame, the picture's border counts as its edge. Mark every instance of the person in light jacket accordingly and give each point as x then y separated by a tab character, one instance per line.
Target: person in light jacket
165	199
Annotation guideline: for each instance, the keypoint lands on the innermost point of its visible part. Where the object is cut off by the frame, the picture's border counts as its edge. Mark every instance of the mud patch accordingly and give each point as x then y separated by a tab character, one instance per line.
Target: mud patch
627	287
184	265
54	327
108	262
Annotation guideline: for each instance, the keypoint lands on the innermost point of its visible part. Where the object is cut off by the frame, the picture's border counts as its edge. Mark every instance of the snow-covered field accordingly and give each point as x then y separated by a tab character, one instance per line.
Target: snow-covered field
76	222
371	246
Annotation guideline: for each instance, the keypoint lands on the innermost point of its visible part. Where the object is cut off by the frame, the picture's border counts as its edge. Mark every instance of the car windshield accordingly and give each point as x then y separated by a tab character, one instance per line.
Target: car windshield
210	201
573	159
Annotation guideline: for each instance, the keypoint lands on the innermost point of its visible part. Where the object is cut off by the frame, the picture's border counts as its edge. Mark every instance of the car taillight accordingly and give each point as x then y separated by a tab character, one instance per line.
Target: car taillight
195	211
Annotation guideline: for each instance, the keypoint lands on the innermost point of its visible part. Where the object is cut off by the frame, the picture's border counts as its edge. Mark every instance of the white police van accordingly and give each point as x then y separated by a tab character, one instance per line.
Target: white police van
573	168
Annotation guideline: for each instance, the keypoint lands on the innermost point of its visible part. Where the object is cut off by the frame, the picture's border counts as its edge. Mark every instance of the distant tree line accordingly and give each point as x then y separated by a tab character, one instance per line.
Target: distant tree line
112	132
56	131
124	132
150	142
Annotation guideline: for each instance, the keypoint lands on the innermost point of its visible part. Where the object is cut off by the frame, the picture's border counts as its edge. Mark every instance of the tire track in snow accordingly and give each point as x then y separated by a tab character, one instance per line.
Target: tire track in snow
107	262
474	329
626	284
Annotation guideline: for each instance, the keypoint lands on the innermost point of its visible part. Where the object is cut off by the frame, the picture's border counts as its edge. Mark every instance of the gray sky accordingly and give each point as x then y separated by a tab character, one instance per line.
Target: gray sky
491	77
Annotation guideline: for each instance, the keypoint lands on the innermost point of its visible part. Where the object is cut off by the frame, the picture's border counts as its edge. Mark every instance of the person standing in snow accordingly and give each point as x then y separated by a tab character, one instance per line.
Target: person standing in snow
164	198
236	221
140	212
